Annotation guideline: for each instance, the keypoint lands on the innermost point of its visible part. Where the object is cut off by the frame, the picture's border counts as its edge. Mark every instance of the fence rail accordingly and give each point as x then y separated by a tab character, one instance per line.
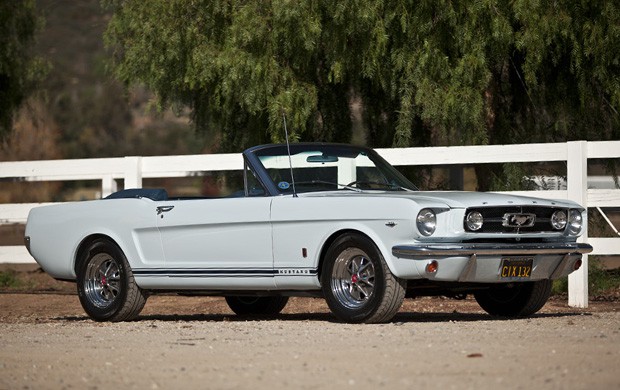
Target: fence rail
133	169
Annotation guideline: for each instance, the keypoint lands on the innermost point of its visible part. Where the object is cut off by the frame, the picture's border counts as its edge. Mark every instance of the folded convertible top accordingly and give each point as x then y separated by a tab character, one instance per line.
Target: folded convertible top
156	194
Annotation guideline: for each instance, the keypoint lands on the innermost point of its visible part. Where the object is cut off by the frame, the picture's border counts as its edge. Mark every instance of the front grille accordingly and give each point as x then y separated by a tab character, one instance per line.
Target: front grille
494	220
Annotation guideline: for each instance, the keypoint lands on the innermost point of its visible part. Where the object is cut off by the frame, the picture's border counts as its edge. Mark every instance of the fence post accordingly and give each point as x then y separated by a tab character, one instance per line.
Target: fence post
577	178
133	172
108	185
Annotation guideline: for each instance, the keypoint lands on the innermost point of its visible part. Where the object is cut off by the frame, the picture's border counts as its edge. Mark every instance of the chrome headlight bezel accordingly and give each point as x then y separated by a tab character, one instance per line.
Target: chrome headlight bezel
426	222
559	220
575	222
474	221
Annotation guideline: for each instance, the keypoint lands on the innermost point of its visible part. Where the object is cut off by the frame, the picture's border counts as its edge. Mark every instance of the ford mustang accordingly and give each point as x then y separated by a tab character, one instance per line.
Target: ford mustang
311	219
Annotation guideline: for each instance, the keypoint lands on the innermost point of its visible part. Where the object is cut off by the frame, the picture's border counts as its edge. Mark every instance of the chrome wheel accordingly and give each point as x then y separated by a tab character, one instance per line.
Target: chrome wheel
105	283
353	278
102	280
357	283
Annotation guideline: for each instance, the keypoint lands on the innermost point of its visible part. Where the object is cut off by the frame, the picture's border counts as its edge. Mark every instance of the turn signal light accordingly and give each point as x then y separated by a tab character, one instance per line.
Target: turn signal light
432	267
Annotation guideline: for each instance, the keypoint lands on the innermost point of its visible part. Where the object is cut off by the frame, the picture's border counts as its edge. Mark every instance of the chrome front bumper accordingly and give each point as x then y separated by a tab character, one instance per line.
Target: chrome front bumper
490	249
481	262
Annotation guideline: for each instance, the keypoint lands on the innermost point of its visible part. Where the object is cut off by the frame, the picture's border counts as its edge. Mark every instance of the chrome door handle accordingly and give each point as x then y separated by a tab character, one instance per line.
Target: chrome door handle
163	209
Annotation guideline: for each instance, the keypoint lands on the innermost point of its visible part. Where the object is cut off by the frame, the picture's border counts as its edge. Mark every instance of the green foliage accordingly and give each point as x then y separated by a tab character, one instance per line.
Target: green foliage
8	279
600	280
430	72
570	60
560	286
239	66
20	71
510	178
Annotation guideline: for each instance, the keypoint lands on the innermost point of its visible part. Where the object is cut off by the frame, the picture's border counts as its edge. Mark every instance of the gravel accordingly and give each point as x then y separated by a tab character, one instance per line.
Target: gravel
185	342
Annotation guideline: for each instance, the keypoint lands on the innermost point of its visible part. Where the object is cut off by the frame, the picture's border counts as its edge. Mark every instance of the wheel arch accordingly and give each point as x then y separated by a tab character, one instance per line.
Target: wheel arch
115	296
384	299
85	243
333	237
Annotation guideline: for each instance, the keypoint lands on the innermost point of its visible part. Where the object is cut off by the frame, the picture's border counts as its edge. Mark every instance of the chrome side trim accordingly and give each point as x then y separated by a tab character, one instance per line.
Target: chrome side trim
486	249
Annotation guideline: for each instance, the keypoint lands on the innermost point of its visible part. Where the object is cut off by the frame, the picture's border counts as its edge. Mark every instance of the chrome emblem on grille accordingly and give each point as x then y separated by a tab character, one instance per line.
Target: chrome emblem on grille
518	220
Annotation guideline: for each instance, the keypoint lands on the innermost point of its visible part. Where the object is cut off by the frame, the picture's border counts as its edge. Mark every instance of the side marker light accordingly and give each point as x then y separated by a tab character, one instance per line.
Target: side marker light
432	267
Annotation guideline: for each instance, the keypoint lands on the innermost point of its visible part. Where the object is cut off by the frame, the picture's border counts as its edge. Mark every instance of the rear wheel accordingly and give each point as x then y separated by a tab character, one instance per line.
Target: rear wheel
357	283
242	305
515	299
105	284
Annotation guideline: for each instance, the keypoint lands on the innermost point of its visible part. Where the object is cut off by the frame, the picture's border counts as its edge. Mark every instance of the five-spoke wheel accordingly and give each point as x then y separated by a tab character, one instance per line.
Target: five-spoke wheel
102	280
105	283
353	278
357	283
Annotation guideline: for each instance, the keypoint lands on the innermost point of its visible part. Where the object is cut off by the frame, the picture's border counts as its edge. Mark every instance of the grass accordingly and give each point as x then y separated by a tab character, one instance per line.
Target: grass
9	279
600	280
17	281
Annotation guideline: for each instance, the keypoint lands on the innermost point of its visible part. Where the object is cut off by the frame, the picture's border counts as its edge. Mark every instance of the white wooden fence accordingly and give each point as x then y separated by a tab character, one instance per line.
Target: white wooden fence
133	169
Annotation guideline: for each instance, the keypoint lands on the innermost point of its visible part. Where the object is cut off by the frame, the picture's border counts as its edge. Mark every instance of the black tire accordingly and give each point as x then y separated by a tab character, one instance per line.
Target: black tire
516	299
247	305
105	284
357	283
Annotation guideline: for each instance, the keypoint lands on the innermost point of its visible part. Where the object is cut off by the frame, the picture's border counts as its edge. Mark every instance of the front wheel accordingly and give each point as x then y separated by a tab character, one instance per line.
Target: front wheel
268	306
105	284
357	283
515	299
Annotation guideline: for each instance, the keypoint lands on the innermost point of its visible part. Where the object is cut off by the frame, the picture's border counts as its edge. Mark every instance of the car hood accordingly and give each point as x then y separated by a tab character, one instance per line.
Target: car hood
456	199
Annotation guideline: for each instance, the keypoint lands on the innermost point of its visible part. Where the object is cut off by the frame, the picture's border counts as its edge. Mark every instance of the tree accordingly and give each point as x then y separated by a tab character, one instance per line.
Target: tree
238	66
569	52
19	69
429	72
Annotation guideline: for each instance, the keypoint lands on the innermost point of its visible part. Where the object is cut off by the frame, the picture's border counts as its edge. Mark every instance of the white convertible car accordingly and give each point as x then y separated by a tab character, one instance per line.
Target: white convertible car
327	220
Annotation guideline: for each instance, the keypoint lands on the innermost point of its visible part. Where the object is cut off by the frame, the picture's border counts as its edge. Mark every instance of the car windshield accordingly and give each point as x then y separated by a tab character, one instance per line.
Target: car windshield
318	167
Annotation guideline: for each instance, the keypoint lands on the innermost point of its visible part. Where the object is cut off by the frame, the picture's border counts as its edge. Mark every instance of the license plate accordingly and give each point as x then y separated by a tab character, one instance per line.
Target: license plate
516	268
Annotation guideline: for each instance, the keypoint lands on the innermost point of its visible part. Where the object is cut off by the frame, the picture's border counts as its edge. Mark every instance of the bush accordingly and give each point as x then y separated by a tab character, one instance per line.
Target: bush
8	279
600	280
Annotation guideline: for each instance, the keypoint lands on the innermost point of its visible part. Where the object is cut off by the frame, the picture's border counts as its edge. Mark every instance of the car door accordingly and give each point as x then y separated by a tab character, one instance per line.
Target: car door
221	237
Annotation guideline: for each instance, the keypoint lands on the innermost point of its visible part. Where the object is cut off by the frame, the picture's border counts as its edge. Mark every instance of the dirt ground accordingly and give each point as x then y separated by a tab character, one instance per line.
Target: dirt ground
47	342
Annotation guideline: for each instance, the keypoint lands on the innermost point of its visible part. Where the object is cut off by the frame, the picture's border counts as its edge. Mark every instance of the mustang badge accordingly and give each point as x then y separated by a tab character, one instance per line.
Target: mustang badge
519	220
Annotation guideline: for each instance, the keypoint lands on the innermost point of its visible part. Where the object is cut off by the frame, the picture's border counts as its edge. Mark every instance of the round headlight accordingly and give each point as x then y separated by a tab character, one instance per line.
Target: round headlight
574	222
559	220
426	221
474	221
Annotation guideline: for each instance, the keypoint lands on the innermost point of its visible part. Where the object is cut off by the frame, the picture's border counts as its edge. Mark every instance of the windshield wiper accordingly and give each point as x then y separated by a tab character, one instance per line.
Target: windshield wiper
347	186
377	183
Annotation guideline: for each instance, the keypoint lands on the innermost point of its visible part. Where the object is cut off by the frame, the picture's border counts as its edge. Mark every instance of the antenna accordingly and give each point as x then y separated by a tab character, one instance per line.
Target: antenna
288	149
